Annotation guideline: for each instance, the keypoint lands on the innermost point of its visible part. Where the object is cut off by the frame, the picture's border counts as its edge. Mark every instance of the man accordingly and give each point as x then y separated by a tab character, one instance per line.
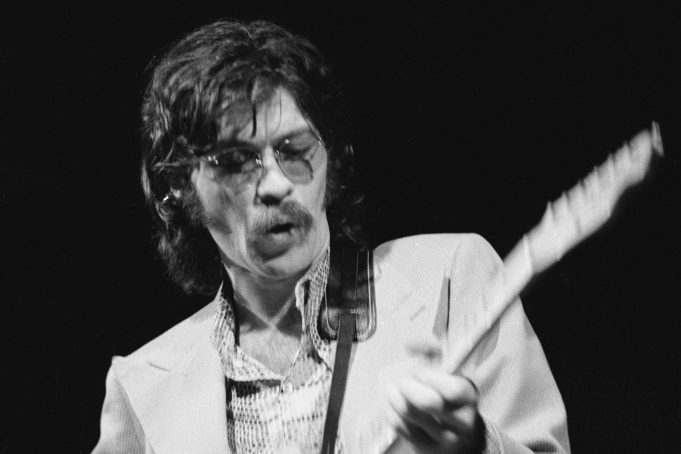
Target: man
246	165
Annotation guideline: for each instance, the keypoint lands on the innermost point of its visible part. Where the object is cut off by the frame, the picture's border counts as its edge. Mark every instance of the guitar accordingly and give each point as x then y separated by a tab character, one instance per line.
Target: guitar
566	222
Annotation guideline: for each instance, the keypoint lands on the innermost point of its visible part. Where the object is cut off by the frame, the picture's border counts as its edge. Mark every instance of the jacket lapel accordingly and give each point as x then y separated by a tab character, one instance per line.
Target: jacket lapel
192	416
178	391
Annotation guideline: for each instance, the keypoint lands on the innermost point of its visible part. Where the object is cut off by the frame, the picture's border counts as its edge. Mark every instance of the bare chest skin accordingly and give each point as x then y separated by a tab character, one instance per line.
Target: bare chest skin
273	349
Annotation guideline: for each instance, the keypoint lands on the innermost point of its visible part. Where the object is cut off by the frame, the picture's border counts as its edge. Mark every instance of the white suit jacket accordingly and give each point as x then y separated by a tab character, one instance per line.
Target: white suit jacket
169	396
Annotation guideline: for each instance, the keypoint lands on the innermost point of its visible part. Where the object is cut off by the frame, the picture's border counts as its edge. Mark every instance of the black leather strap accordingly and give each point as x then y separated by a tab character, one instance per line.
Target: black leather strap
346	334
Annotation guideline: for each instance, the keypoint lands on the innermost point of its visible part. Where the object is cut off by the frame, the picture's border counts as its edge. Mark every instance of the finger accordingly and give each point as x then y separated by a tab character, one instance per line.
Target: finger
459	396
454	390
416	404
409	432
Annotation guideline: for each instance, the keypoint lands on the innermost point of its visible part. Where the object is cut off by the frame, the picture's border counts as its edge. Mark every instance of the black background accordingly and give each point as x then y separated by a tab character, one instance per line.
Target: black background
467	119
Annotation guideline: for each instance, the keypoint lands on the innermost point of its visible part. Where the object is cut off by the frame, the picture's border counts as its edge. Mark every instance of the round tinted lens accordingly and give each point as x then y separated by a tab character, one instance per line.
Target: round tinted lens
235	165
297	171
236	160
296	155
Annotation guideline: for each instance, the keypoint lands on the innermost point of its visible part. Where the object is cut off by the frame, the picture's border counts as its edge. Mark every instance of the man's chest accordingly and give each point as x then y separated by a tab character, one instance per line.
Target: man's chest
275	351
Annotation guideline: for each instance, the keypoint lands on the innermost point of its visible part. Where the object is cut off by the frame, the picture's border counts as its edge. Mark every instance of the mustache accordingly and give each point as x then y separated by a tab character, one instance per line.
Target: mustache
288	212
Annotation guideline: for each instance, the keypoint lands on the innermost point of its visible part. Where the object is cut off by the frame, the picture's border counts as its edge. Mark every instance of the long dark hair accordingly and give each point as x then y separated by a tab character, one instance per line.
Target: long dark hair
220	73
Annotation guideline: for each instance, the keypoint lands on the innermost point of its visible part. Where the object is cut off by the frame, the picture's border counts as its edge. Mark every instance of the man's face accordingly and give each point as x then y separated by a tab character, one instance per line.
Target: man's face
266	223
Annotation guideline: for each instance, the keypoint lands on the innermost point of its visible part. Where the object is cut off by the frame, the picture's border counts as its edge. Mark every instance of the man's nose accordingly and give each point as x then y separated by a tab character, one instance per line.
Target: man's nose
273	185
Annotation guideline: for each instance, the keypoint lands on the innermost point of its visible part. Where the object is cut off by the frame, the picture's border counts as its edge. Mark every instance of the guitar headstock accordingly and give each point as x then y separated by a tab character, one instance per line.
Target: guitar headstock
590	204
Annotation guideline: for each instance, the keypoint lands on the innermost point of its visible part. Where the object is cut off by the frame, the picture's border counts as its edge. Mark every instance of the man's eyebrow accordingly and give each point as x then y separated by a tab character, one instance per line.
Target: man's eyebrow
237	142
293	133
234	142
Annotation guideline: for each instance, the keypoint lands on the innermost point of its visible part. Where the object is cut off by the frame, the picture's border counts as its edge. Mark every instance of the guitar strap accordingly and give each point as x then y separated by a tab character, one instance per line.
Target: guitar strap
349	314
350	288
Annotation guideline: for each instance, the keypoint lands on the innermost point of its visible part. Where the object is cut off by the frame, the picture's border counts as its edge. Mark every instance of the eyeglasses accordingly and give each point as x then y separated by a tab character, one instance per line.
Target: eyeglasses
295	156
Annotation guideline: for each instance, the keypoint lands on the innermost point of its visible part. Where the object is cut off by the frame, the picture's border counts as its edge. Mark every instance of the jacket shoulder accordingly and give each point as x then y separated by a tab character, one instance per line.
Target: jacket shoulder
414	271
418	249
167	349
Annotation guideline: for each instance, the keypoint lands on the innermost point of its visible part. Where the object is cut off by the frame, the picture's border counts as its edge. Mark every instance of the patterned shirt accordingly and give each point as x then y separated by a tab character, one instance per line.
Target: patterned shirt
267	411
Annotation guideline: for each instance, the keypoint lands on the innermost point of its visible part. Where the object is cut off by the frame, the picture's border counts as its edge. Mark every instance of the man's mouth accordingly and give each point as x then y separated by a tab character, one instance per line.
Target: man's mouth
277	238
284	227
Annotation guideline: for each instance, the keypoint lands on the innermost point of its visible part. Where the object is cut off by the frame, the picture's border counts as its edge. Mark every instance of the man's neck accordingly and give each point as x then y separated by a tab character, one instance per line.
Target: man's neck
263	304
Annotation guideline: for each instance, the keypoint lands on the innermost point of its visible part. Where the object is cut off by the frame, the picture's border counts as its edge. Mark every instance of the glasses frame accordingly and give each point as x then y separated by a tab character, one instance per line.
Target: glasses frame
212	159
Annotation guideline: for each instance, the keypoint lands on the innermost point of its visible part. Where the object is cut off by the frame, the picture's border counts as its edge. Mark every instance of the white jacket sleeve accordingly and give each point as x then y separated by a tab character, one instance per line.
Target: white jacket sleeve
519	400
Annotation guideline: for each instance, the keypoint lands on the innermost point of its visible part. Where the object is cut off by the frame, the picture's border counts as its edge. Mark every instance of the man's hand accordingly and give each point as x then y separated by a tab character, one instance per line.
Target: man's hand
437	412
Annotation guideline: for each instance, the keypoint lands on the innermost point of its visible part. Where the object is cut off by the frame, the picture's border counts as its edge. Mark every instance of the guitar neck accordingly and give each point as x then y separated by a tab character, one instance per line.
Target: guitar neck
499	295
566	222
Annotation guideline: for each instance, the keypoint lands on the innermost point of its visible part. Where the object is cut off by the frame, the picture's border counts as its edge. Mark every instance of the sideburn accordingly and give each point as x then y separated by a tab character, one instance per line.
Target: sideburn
194	209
